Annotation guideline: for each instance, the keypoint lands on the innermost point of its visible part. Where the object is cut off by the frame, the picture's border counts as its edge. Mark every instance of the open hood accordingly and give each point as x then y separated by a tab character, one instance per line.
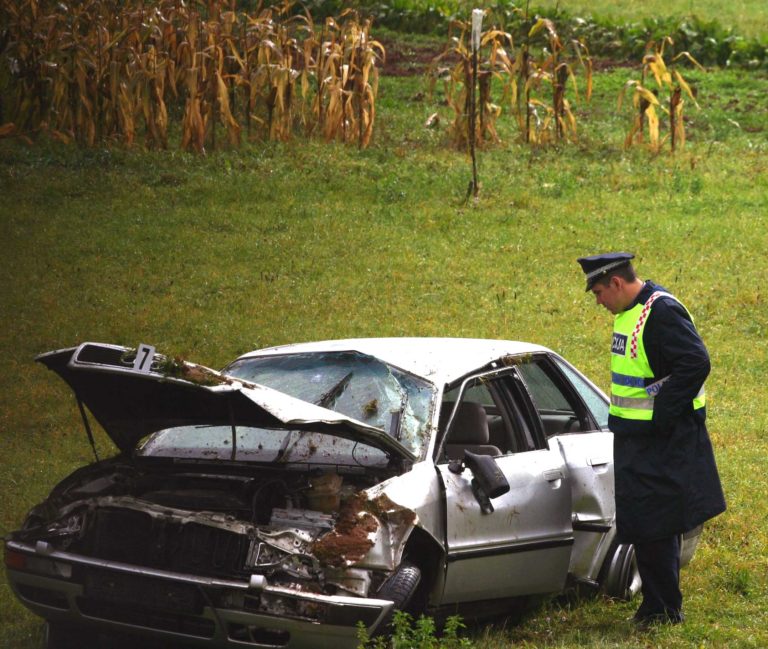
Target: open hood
132	403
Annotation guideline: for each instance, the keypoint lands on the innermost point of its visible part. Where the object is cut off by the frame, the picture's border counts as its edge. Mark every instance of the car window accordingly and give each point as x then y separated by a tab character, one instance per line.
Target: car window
353	384
485	399
558	406
595	401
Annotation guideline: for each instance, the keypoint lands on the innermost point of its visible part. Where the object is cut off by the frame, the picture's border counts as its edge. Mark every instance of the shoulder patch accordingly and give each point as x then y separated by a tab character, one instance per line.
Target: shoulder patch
619	344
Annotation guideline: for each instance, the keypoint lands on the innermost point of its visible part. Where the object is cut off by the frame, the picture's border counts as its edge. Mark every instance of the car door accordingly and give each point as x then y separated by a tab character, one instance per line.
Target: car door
574	416
524	545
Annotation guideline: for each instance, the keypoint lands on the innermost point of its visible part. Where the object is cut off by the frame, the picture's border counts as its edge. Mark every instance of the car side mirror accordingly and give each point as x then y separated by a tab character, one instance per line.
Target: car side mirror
488	481
487	473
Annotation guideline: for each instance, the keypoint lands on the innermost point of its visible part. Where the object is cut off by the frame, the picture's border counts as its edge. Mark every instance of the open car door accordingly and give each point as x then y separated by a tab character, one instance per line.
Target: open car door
522	544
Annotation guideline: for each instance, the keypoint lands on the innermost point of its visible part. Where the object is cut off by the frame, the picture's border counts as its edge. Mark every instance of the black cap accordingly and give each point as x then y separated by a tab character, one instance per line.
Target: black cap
597	266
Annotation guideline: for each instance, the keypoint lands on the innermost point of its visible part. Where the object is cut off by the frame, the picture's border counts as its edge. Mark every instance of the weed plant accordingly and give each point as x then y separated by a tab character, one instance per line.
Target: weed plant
420	633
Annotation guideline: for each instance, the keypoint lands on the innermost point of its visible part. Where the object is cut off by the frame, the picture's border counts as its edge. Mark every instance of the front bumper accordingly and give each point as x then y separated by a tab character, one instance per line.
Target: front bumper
198	611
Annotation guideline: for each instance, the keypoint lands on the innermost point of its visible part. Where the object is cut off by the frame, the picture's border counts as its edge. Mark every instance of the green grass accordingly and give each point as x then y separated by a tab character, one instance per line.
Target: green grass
749	17
209	257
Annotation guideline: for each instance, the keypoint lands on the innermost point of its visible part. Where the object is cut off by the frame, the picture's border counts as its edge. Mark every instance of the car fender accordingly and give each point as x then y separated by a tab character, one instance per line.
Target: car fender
373	527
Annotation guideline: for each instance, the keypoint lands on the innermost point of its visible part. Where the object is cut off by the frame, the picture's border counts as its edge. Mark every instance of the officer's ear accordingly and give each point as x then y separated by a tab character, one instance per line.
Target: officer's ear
616	283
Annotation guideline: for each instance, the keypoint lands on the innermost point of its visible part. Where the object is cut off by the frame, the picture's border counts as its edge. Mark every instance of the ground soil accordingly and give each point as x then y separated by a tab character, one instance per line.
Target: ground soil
406	58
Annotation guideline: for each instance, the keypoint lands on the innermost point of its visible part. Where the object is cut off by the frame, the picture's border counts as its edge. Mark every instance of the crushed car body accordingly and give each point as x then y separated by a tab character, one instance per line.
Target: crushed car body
306	489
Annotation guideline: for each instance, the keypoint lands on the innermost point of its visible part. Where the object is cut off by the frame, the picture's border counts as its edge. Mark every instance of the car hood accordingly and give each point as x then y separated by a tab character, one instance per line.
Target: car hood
131	404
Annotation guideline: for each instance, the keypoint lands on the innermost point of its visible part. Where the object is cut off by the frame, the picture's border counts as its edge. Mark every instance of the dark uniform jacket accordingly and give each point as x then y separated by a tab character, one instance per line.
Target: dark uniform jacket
666	478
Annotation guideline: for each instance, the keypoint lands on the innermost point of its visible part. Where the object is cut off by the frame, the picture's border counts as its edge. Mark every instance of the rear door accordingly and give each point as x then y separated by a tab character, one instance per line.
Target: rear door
524	545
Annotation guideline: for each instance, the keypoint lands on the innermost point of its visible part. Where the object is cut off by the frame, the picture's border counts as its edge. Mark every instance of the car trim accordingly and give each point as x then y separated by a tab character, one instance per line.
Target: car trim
477	553
43	549
304	633
586	526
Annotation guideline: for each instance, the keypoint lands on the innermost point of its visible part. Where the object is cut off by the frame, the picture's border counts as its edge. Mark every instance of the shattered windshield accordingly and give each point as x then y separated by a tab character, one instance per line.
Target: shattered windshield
356	385
205	442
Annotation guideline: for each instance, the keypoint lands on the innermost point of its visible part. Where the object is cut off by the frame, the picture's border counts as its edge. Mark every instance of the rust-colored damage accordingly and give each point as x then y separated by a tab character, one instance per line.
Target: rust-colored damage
351	539
387	510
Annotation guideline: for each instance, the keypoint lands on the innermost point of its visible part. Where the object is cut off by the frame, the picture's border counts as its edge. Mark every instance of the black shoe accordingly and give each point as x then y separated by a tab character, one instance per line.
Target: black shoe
646	622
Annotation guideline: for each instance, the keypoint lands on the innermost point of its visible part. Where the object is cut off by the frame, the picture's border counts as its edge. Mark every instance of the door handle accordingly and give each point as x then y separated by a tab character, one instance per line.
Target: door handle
552	476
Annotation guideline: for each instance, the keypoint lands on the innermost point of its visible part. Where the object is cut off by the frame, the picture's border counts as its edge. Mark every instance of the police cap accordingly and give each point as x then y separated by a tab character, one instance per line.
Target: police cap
597	266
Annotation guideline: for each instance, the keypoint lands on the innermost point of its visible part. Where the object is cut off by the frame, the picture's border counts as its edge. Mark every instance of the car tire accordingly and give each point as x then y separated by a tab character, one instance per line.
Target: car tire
399	587
619	577
64	636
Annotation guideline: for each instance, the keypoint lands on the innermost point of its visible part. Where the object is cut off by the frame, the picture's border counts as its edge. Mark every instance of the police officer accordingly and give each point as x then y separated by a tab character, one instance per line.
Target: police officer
665	473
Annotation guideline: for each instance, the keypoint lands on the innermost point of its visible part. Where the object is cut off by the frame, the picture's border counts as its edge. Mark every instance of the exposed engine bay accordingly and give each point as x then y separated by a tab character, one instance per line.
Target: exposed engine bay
297	529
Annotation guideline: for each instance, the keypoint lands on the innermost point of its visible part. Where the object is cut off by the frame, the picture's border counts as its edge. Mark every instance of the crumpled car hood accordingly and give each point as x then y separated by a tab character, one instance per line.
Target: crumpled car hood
131	404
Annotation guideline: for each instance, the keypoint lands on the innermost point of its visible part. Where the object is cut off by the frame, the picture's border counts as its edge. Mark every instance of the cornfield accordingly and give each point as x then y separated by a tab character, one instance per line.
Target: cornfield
531	79
108	70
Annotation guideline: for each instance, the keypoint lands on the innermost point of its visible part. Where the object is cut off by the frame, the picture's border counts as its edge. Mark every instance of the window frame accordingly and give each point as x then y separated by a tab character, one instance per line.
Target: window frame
517	417
547	363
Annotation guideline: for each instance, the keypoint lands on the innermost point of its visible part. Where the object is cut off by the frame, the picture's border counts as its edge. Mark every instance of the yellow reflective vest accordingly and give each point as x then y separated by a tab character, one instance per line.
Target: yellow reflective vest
633	384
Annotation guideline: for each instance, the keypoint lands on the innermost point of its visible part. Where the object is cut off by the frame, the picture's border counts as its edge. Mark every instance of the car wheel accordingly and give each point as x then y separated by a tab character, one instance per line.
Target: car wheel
399	587
620	578
63	636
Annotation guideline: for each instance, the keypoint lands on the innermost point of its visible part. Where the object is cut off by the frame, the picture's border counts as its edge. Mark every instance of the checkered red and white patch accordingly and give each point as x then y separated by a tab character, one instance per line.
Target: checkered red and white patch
641	320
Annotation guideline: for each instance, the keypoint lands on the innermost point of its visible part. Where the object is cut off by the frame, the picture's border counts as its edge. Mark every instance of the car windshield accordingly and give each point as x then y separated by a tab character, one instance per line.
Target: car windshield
203	442
353	384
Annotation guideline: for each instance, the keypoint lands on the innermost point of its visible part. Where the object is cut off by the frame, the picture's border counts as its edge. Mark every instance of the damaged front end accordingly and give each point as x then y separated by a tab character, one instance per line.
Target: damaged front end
143	554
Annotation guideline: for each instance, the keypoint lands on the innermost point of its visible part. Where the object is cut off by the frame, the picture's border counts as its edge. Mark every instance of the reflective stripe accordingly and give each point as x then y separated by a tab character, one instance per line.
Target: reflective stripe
629	402
627	381
653	389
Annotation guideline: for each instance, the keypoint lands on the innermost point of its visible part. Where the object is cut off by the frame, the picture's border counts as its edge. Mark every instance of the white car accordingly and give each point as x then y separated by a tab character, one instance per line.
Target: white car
307	488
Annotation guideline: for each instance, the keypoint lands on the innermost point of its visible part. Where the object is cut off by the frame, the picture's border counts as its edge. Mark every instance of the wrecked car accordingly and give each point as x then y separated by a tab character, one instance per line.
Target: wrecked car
306	489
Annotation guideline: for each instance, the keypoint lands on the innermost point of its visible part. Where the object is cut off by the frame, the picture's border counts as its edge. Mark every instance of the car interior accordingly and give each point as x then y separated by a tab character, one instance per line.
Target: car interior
491	421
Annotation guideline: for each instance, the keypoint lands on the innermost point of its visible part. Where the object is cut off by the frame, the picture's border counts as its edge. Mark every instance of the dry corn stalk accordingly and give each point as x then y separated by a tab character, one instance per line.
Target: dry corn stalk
494	64
646	101
99	70
551	69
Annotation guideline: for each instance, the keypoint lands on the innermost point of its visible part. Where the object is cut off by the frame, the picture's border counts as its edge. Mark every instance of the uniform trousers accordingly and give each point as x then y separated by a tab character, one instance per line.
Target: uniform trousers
659	565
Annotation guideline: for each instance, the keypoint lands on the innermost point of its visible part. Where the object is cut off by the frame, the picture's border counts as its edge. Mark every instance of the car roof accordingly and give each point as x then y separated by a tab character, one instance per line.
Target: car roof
440	360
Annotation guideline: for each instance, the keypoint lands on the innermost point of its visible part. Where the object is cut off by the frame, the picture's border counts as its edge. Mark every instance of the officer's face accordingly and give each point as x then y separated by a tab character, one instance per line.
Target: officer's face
610	295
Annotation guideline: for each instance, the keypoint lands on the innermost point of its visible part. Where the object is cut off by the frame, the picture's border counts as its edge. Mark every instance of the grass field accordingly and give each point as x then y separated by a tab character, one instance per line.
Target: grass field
747	16
208	257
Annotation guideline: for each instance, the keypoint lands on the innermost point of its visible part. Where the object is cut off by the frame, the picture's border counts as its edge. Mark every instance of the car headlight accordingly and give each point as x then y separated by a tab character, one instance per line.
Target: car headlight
39	565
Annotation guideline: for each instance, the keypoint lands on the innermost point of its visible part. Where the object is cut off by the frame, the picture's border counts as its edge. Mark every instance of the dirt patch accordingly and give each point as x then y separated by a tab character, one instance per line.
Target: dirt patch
406	58
391	512
350	541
